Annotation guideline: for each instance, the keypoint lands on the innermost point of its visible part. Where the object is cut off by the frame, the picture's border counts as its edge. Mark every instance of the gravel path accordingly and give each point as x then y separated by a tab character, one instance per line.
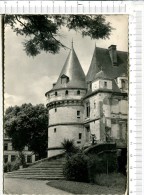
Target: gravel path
23	186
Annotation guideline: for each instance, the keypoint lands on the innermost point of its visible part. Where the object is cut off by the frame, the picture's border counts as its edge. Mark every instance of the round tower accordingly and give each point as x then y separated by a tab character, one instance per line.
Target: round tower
65	106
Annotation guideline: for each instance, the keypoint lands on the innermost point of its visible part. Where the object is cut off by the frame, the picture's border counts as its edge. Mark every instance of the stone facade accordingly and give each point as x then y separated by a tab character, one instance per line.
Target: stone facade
10	154
93	108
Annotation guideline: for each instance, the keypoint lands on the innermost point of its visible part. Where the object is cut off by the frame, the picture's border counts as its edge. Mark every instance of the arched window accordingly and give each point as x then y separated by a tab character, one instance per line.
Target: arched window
78	92
66	92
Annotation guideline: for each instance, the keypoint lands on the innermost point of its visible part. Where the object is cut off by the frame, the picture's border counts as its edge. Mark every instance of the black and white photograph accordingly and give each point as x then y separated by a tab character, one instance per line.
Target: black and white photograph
65	104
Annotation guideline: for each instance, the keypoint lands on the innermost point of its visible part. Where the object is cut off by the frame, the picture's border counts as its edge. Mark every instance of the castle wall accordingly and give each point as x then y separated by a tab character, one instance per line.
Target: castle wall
66	114
57	134
107	111
61	95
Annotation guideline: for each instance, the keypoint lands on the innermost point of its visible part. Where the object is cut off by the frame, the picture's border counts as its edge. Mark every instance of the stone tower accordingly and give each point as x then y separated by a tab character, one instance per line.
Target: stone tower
106	106
65	106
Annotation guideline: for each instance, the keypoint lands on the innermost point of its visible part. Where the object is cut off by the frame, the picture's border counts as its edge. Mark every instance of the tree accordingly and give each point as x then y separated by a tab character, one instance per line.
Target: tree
27	125
43	31
69	147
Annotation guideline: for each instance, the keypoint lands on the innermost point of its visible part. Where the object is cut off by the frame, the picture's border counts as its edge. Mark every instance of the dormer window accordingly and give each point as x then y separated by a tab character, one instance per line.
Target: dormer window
105	84
89	85
66	92
64	79
55	93
123	83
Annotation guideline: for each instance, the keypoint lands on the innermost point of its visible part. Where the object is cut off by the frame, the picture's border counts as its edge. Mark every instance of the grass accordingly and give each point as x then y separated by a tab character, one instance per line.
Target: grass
117	186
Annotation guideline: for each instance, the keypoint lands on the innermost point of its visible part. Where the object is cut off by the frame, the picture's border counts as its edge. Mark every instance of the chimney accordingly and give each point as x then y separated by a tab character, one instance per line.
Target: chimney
113	54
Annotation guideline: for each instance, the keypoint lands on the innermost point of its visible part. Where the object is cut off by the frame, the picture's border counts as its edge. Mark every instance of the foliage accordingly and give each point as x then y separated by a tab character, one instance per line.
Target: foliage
43	31
7	167
113	179
69	147
26	125
76	168
21	159
74	187
98	164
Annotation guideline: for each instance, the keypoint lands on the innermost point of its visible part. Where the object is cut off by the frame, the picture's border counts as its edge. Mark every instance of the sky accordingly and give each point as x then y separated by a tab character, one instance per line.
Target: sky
27	79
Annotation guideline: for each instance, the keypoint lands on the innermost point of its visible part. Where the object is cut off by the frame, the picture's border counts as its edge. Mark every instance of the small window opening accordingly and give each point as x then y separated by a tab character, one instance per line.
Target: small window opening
78	92
55	93
66	92
123	84
78	114
54	130
5	158
6	146
13	157
105	84
87	109
29	159
55	109
80	135
94	105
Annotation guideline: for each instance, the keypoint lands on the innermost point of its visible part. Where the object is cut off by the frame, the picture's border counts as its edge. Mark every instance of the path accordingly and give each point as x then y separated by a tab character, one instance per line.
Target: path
24	186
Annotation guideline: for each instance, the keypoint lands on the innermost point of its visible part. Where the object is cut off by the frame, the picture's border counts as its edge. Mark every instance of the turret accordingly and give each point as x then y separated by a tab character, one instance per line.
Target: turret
65	106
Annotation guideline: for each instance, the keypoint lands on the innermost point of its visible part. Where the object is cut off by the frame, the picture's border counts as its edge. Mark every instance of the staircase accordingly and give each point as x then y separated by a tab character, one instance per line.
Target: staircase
46	169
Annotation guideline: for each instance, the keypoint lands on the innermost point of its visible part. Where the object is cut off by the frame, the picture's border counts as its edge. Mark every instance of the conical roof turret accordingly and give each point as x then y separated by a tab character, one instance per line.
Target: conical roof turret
72	72
94	67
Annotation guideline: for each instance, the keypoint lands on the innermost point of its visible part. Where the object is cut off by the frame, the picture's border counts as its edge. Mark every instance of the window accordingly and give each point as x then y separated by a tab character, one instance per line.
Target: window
55	109
80	135
36	157
105	84
29	159
54	130
78	142
55	93
66	92
78	114
94	105
123	84
5	146
64	79
89	85
88	129
13	157
5	158
87	109
78	92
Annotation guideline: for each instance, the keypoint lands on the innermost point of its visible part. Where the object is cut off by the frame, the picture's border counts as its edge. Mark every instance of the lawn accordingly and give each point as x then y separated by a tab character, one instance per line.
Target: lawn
86	188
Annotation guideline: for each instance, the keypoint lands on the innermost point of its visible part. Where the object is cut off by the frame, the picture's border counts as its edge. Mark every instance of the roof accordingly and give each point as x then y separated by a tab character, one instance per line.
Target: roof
73	70
101	61
101	75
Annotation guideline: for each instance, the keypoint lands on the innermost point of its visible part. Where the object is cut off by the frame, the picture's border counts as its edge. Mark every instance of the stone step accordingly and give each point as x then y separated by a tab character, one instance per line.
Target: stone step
35	177
52	169
47	166
36	173
38	170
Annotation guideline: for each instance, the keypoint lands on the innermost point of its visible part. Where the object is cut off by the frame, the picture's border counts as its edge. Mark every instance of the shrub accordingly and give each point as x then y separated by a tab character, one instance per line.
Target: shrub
76	168
15	165
104	163
7	167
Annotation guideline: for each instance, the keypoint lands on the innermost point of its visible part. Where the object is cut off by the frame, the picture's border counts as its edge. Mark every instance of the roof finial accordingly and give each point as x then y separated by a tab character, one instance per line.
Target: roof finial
72	43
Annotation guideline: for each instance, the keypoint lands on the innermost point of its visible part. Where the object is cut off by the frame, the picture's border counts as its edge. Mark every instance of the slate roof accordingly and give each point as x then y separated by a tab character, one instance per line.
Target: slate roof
73	70
101	61
103	75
